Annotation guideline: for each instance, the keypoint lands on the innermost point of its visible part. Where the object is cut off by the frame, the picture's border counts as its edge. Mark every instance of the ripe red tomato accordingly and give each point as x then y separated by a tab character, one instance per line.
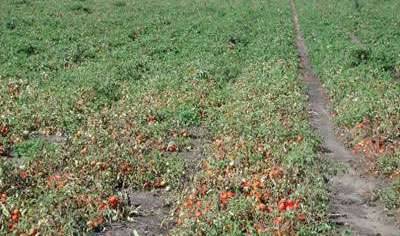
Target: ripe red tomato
4	130
23	174
290	205
15	215
113	201
282	205
261	207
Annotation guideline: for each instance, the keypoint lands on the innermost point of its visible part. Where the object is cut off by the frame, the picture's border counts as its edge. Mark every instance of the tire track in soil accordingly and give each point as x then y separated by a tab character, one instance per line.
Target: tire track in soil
153	216
353	202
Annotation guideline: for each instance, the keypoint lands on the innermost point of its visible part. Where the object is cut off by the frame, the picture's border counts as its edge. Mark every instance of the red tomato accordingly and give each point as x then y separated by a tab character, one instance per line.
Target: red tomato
224	197
301	217
103	206
297	204
262	207
282	205
113	201
4	130
198	214
23	174
15	215
278	220
290	205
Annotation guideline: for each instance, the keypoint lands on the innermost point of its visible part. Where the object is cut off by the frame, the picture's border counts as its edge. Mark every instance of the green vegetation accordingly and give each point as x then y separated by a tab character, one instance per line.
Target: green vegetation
117	82
355	50
101	96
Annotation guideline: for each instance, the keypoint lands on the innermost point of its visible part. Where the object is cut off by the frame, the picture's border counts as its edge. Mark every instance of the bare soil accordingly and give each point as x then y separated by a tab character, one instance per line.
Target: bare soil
153	208
353	202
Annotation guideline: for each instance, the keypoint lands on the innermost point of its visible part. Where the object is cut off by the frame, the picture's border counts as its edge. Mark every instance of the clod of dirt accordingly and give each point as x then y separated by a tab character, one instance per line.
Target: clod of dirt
351	192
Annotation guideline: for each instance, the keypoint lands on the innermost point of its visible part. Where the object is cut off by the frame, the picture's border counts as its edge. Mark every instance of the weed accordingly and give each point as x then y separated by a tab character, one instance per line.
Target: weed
11	24
360	56
188	116
391	195
132	70
79	7
29	50
120	3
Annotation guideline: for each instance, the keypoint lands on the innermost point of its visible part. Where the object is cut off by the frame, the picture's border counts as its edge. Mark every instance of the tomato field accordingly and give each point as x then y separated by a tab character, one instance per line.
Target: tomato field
184	117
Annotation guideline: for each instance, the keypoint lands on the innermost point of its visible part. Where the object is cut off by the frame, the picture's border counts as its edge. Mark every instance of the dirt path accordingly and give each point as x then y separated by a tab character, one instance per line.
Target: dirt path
352	194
